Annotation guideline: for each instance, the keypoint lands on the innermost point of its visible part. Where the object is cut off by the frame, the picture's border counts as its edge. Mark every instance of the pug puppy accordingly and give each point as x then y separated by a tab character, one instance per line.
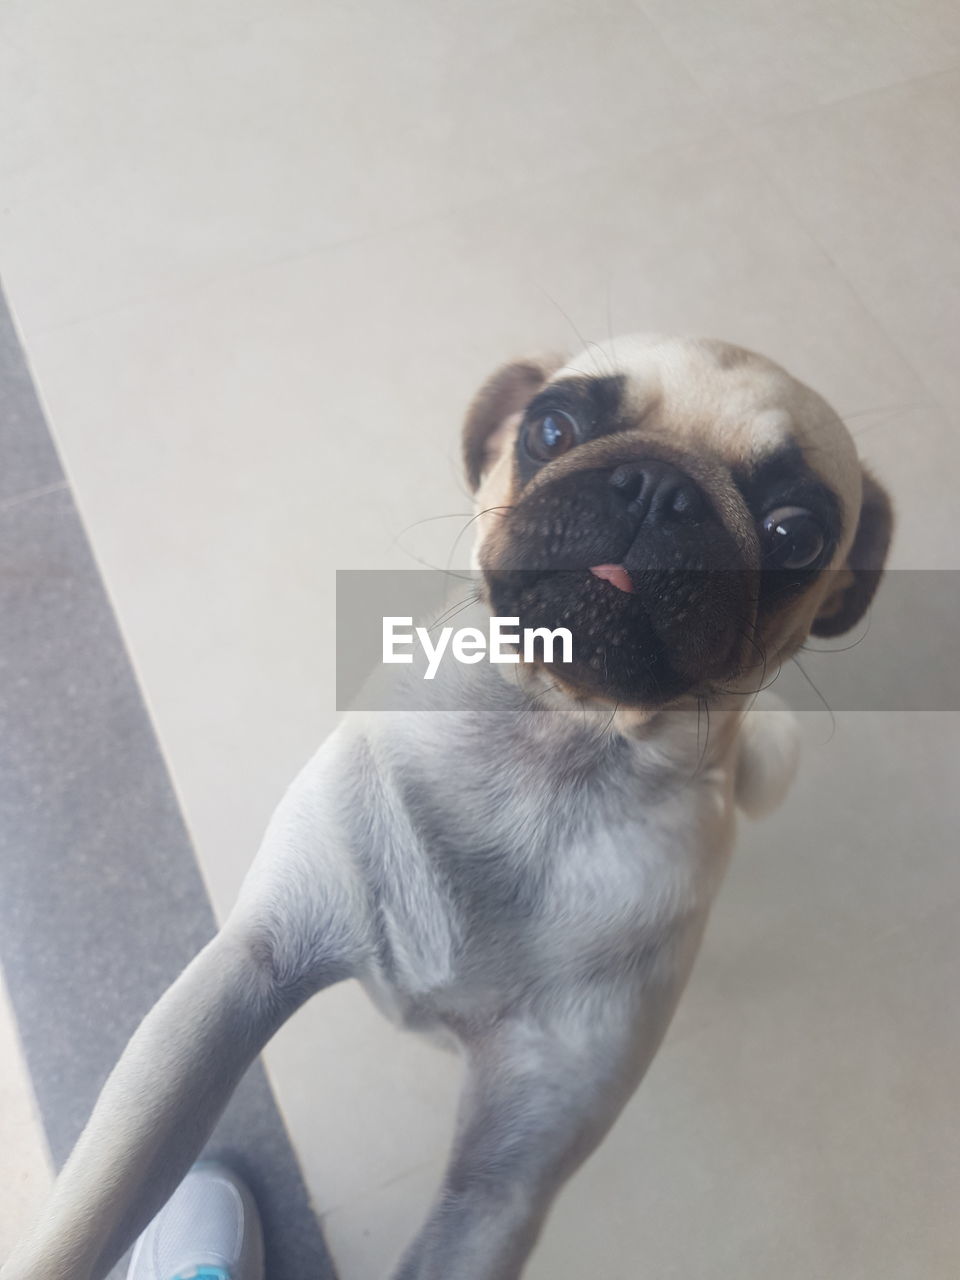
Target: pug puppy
528	875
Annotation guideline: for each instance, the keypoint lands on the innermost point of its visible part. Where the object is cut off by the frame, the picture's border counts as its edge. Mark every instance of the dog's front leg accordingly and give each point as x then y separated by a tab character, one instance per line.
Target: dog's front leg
300	925
155	1111
537	1100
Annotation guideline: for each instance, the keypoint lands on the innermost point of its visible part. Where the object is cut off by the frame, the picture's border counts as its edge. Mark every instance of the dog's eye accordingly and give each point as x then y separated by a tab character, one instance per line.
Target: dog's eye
792	539
550	435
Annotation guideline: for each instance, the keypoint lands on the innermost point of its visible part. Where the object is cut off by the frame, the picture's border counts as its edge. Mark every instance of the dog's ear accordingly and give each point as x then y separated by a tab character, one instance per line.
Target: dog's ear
856	582
505	393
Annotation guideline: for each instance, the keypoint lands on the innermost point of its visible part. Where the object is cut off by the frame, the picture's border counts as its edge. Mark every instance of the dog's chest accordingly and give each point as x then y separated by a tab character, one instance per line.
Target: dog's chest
503	884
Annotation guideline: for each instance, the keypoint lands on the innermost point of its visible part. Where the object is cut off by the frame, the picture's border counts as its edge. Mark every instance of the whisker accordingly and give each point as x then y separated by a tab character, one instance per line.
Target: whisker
844	648
449	515
453	610
604	730
833	719
761	687
590	348
609	309
595	347
701	702
890	411
551	688
448	572
486	512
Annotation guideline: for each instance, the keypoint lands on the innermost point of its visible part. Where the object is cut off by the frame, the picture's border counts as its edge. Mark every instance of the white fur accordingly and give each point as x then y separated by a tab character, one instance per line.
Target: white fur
768	757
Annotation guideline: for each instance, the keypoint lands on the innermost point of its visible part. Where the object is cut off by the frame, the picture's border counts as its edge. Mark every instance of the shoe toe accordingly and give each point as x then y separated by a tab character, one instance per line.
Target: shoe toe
209	1223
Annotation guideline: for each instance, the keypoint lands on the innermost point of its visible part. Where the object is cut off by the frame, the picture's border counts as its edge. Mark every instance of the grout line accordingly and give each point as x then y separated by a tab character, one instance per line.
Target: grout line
368	1191
755	150
751	120
710	132
57	486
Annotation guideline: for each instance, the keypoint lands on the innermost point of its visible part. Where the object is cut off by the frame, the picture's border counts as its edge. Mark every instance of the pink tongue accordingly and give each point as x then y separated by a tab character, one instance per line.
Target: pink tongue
615	574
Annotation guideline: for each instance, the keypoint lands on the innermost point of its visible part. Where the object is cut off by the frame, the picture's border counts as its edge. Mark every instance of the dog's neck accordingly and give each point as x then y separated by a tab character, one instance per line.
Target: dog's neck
698	734
516	710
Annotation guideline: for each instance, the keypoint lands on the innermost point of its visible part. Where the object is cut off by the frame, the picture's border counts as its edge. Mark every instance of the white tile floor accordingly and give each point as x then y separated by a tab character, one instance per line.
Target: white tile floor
261	256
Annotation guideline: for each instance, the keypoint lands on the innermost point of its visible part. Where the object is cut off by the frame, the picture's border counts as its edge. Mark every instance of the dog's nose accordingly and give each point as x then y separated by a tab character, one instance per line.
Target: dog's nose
658	491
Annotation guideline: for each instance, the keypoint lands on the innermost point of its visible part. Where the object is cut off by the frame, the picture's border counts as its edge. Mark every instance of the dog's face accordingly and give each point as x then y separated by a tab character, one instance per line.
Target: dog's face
686	508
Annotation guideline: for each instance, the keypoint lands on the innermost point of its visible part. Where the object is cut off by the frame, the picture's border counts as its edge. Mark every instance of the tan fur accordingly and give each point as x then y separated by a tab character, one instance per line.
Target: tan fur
708	395
693	401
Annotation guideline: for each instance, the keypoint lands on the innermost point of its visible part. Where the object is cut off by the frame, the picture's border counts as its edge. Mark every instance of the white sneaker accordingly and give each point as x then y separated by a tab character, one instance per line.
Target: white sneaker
209	1229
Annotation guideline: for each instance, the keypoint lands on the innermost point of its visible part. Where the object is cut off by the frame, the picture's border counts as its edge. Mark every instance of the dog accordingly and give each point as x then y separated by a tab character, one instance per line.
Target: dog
528	876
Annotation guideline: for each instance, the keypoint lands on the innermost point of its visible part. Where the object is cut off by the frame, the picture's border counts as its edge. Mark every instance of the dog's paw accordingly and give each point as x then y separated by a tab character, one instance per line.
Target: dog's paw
769	751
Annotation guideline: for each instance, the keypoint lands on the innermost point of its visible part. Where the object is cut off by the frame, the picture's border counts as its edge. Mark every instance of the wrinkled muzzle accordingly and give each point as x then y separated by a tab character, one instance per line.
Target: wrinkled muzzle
660	597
